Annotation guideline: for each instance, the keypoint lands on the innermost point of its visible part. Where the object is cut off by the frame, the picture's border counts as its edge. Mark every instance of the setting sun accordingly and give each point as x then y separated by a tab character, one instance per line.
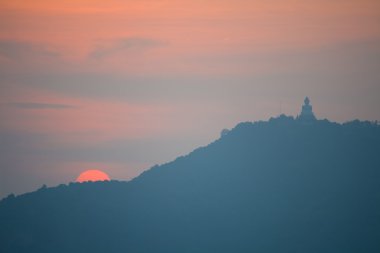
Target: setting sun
92	175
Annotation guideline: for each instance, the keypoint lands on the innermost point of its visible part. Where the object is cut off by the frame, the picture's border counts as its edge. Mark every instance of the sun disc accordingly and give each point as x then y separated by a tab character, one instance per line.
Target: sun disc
92	175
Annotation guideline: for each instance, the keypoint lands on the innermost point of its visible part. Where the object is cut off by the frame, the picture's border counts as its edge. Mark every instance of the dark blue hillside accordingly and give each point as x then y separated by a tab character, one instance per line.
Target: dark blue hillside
286	185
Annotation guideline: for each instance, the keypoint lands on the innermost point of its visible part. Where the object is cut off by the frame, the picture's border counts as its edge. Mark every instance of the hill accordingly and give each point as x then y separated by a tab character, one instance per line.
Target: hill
285	185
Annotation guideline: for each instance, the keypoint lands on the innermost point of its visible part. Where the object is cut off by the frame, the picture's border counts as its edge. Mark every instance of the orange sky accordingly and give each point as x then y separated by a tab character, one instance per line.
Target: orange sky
75	28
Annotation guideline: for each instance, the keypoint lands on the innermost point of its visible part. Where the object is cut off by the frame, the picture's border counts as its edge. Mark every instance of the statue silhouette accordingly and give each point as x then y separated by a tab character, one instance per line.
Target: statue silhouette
307	114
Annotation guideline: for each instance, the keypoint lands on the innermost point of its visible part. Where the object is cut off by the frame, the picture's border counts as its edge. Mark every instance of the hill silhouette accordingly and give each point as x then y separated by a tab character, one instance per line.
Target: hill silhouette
284	185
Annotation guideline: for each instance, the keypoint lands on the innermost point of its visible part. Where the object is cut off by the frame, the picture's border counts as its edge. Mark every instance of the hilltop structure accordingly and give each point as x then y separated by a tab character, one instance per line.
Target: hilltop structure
307	114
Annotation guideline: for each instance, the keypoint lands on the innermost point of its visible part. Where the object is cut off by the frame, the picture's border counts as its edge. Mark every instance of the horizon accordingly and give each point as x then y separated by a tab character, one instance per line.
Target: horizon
120	86
109	180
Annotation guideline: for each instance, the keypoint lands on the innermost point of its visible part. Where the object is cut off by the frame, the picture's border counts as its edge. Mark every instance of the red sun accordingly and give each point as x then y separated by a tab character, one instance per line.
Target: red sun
92	175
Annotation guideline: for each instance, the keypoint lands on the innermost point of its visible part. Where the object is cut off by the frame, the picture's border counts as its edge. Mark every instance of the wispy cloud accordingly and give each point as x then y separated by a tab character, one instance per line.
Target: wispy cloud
40	106
124	44
13	49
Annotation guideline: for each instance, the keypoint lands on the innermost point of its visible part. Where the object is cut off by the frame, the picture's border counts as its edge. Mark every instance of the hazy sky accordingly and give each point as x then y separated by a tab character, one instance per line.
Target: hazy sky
121	85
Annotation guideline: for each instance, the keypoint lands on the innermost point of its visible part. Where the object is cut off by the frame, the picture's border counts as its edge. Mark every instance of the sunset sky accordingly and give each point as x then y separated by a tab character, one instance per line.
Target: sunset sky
121	85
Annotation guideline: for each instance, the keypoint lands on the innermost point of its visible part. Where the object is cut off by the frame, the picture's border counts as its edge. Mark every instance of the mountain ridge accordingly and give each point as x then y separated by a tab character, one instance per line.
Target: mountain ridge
278	185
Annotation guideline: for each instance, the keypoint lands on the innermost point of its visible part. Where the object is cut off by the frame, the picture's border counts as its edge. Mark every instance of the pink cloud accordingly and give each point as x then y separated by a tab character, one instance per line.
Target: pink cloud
80	118
193	28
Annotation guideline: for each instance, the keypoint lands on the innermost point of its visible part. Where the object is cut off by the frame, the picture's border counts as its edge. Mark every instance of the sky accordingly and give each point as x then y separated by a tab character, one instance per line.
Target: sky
122	85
